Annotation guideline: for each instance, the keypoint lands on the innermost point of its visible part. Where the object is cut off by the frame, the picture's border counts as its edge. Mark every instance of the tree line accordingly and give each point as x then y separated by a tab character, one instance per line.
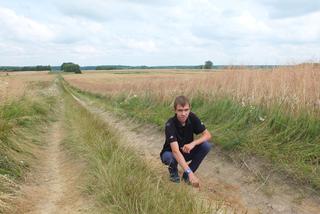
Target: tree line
26	68
207	65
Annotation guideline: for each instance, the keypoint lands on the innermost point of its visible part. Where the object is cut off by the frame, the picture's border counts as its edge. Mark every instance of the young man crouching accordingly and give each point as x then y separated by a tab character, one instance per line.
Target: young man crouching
180	146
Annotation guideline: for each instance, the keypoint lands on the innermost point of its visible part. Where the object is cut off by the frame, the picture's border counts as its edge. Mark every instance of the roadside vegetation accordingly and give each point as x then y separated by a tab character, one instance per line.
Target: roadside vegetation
120	180
23	123
279	125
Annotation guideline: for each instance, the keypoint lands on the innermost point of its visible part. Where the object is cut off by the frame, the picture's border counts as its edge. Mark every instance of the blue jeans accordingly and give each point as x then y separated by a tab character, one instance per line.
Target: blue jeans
197	154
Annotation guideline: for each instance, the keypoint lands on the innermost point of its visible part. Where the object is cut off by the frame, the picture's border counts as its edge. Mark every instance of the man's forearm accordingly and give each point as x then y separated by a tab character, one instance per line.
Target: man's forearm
180	159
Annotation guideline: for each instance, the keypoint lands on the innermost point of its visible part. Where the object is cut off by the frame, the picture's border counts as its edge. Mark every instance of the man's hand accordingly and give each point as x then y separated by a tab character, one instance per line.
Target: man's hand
188	147
194	180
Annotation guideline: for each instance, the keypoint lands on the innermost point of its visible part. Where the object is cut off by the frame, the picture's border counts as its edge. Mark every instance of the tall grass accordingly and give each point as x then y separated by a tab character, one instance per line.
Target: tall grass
22	125
121	181
296	88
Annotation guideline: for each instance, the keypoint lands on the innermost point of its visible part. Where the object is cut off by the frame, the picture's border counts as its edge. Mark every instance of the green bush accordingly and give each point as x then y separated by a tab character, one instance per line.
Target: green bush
71	67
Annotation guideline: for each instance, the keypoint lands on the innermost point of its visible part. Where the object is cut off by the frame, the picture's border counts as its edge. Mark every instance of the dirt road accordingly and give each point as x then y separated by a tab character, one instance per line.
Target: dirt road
222	179
54	185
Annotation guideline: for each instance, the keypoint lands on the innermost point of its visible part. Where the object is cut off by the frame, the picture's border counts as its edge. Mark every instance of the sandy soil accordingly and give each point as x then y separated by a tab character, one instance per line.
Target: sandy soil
239	186
55	184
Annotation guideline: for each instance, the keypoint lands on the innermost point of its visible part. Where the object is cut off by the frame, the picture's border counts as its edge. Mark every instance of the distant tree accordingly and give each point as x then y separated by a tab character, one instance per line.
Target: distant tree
62	68
208	65
70	67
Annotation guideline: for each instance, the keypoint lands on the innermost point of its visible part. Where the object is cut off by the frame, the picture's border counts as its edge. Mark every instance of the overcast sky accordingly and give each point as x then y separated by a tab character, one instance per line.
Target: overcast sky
159	32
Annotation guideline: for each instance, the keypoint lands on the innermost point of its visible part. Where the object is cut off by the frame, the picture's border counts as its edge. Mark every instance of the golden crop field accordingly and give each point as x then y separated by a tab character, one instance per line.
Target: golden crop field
297	87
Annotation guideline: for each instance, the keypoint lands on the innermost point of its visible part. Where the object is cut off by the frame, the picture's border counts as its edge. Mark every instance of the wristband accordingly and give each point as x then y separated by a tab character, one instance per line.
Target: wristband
188	171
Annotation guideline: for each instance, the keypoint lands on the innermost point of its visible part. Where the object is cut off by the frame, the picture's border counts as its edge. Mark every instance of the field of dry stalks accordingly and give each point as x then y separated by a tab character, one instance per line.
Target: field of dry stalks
15	84
297	88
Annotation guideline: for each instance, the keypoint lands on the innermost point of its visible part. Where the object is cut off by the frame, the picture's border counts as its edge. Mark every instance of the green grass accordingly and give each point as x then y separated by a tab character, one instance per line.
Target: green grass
290	143
121	181
19	121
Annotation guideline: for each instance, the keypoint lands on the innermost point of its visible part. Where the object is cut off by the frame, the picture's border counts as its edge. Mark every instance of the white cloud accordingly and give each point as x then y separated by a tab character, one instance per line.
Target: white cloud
14	26
297	29
86	49
146	46
290	8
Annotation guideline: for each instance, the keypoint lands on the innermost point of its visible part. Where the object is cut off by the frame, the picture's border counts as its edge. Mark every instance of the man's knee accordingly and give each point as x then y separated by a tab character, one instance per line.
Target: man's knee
167	158
205	147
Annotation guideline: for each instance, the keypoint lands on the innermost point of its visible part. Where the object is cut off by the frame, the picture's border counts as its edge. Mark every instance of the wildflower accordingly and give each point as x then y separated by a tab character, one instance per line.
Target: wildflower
261	119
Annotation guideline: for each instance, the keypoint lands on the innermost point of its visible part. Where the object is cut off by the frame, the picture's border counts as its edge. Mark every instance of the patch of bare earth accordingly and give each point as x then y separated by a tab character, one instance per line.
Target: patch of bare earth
54	186
239	186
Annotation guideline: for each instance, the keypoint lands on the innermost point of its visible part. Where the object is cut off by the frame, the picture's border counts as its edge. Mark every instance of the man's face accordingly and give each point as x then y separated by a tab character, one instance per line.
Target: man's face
182	113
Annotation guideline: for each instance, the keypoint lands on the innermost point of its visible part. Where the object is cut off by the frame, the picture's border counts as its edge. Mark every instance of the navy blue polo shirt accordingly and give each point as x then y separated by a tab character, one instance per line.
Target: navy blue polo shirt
183	134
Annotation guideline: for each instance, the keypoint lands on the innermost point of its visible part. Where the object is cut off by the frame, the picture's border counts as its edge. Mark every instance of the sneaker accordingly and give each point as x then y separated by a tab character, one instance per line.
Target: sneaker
174	177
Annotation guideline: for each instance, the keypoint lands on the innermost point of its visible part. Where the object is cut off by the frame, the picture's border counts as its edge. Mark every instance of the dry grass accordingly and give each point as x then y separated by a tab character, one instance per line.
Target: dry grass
297	87
16	83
